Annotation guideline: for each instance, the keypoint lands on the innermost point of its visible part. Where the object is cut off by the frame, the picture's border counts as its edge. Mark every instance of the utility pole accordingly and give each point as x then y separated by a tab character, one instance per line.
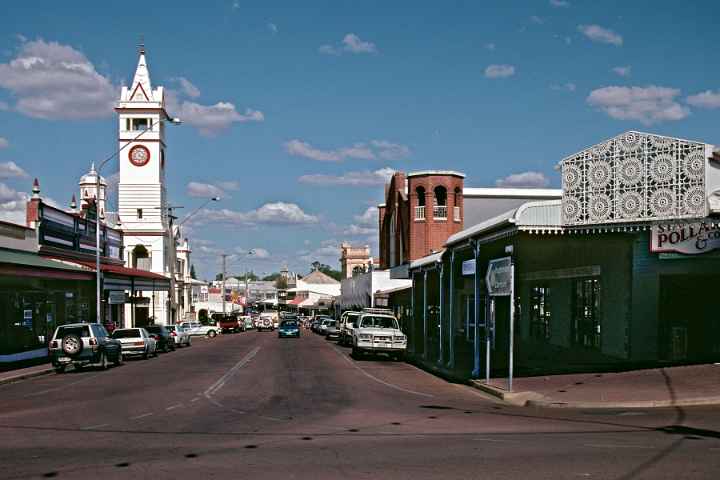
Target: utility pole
222	291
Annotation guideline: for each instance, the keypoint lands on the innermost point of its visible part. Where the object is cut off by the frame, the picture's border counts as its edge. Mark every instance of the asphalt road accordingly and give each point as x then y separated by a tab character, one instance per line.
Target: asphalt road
253	406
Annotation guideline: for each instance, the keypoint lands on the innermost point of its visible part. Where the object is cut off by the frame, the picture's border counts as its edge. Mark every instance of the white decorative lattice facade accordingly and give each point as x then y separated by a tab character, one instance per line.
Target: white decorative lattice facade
635	177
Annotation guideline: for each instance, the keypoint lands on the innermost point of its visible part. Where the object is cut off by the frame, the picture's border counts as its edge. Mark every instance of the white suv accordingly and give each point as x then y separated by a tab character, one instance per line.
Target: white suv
347	319
378	333
197	328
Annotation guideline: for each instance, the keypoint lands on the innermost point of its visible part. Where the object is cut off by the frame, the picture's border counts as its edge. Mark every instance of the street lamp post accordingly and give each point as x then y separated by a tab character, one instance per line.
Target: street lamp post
98	292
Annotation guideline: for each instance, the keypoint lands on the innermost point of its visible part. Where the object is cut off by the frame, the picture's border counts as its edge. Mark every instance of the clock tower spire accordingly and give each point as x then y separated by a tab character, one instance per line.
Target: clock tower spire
142	203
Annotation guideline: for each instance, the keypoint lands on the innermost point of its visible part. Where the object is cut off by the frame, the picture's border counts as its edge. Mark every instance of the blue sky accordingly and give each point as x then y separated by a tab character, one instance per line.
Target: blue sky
296	111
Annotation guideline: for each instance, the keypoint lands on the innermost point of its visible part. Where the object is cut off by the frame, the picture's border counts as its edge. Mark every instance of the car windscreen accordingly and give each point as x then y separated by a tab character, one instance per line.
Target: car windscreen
129	333
80	331
170	328
155	329
328	322
379	322
289	324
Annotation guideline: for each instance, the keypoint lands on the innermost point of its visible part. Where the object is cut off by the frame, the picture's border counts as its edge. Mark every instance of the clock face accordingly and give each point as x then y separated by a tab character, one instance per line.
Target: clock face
139	155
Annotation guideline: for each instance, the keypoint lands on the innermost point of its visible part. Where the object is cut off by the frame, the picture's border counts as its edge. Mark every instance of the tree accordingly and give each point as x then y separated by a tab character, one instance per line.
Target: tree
326	269
272	277
281	283
192	272
219	277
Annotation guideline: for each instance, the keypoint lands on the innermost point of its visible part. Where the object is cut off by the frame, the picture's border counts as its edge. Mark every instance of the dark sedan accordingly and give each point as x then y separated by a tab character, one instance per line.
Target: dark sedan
165	341
289	328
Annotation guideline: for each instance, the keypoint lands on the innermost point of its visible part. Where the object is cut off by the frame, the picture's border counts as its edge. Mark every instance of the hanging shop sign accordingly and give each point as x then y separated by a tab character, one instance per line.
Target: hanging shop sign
116	297
468	267
499	276
688	238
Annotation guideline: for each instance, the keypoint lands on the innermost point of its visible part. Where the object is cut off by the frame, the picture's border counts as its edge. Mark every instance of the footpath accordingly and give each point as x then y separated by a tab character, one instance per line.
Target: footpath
11	376
659	387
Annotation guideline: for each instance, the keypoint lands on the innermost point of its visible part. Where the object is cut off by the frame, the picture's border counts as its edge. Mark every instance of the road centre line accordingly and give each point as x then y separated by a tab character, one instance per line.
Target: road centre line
92	427
382	382
215	387
142	416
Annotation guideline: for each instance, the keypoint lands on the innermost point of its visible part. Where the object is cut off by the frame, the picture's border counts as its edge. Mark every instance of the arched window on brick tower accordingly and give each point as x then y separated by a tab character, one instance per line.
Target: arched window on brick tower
141	258
457	203
420	208
440	202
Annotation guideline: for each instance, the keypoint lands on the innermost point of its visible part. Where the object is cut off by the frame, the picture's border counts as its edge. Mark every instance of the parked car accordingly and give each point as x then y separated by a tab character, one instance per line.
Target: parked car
136	341
198	329
228	323
180	334
331	330
165	341
266	321
326	322
83	344
246	323
347	320
289	328
378	333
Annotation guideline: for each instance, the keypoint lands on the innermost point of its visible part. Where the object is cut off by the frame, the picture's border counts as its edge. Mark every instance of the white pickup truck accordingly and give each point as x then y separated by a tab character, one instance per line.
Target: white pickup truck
378	333
345	324
198	329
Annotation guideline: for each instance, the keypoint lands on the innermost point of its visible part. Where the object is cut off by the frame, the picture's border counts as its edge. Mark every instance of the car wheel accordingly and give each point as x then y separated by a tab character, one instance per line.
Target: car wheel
355	352
60	369
103	361
118	359
212	334
71	344
189	342
146	354
166	349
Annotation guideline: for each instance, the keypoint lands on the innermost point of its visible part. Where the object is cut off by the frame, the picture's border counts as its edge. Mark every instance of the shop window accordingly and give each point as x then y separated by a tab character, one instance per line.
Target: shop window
540	313
586	313
469	318
139	213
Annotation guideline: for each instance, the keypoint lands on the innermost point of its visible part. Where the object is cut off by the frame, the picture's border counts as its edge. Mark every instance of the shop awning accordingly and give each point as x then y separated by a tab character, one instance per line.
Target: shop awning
118	277
28	264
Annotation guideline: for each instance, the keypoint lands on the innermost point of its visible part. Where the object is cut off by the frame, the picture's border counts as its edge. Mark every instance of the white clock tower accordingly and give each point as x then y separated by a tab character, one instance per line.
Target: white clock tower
142	204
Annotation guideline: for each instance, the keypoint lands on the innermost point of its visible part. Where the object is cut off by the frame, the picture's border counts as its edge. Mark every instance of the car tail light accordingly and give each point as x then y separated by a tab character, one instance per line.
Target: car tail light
139	344
93	341
54	344
173	334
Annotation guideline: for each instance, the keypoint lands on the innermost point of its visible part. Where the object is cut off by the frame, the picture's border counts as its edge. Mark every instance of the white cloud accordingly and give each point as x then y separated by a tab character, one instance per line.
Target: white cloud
211	120
647	105
391	151
376	149
537	20
11	170
368	217
229	185
278	213
55	81
706	99
559	3
4	142
351	43
596	33
358	230
260	253
12	205
499	71
490	46
206	190
187	87
273	28
570	87
524	180
623	71
355	179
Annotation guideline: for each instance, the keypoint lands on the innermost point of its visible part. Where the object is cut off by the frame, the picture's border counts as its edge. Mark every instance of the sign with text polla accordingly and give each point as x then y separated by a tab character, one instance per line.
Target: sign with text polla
687	238
499	277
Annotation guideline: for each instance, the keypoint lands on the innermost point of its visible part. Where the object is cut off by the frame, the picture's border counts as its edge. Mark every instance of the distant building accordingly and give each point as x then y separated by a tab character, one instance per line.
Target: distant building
354	257
423	209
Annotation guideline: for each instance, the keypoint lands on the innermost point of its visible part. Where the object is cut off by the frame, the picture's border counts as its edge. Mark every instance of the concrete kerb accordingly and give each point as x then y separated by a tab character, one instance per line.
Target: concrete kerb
535	399
26	375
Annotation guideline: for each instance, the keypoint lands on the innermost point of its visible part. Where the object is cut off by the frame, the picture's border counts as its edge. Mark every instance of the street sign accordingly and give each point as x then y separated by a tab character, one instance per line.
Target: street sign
116	297
499	276
468	267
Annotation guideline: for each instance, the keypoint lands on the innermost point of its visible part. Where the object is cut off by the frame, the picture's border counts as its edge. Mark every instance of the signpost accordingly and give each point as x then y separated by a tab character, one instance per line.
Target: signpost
500	281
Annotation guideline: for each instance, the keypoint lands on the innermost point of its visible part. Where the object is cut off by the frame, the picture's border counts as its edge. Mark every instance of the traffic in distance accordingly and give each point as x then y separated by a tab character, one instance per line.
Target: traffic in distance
369	331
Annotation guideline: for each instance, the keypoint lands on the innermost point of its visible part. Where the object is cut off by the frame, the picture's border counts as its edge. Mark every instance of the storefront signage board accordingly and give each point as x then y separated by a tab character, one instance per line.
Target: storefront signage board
688	239
116	297
468	267
499	277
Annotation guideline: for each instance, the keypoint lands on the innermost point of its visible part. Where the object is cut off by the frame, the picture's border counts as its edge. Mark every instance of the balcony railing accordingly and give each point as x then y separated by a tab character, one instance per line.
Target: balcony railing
440	212
456	214
420	213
